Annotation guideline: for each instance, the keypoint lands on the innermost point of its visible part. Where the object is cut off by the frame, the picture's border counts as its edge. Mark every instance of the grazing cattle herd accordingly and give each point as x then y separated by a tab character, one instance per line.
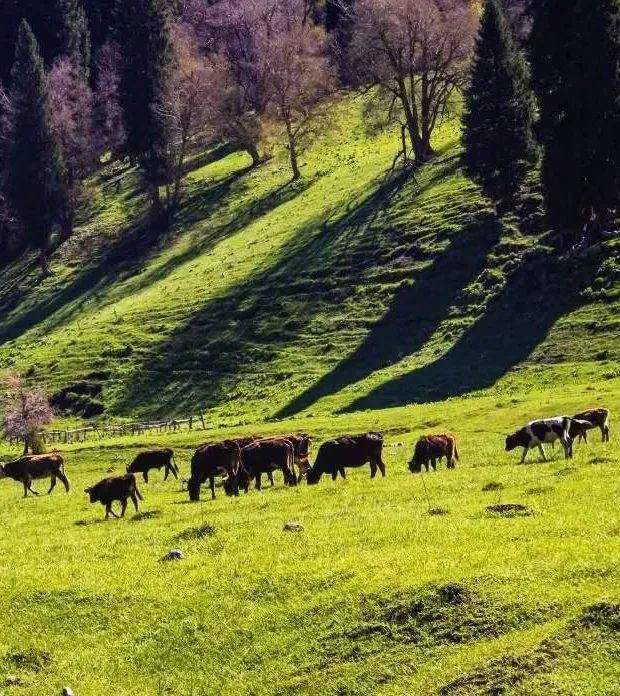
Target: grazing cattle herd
243	460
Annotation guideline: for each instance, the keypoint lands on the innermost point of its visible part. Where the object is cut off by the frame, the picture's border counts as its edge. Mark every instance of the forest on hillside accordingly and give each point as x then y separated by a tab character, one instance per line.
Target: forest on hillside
86	82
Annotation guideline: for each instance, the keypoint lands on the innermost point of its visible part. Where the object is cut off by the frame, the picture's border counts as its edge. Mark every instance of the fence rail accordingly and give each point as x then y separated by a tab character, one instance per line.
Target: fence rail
102	432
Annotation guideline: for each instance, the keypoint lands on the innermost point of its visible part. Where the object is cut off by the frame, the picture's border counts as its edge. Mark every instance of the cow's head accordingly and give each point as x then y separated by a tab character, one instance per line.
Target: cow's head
415	465
512	441
193	488
91	494
313	476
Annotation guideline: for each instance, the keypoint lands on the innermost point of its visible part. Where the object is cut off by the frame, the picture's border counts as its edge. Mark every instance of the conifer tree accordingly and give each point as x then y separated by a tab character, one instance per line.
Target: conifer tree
499	108
143	36
74	36
36	185
575	55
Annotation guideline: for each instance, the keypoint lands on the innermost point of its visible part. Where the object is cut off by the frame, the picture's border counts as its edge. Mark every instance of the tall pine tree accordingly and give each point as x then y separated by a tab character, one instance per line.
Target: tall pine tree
499	108
74	35
36	184
575	54
143	35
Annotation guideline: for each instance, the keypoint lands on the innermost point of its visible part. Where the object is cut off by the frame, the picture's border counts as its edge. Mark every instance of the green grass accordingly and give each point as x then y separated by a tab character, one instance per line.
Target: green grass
346	302
375	595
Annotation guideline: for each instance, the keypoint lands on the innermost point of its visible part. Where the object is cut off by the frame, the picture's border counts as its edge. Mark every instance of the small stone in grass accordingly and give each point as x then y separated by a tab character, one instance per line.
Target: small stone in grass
174	555
293	527
12	680
67	691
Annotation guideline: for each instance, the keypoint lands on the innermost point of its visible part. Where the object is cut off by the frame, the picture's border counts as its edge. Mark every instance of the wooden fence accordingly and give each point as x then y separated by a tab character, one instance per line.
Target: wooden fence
101	432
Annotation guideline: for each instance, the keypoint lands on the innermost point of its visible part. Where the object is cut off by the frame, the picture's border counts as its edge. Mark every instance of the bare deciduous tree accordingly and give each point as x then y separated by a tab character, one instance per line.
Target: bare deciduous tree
417	52
297	78
109	124
25	410
71	103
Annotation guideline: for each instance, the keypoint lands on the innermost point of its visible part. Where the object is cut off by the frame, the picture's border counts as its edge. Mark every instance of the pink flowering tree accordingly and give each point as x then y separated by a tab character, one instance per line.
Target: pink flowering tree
25	410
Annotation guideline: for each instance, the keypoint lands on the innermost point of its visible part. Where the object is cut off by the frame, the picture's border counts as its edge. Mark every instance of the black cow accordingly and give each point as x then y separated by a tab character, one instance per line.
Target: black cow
154	459
211	460
263	457
349	451
36	466
540	432
115	488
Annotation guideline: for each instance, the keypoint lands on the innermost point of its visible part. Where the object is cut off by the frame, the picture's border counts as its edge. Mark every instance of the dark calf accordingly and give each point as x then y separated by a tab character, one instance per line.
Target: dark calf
598	418
119	488
210	461
36	466
263	457
430	448
154	459
349	451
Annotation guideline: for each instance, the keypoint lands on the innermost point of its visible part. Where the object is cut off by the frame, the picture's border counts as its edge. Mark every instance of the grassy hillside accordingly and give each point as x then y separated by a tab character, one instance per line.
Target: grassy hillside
351	300
347	290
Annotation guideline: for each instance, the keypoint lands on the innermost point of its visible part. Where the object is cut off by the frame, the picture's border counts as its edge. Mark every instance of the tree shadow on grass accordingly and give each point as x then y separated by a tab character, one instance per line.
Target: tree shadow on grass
230	343
414	315
543	289
126	257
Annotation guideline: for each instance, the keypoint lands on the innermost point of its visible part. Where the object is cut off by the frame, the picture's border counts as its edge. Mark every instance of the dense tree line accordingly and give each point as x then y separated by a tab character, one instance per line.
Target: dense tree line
83	81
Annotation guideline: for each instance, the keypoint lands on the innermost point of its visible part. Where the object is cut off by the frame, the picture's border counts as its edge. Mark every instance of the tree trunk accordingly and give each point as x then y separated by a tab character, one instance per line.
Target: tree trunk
411	119
252	150
292	151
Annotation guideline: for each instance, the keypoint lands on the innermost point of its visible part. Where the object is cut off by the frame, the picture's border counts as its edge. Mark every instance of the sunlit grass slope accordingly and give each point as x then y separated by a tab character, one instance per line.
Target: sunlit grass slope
347	290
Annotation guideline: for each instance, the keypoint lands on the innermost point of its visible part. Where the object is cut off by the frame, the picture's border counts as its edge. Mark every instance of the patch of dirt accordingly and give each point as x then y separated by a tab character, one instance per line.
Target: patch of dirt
602	615
32	659
567	471
438	511
438	615
493	486
202	532
509	510
147	515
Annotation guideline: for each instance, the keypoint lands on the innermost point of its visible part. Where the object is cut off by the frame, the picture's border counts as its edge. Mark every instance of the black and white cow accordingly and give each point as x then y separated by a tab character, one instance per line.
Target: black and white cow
540	432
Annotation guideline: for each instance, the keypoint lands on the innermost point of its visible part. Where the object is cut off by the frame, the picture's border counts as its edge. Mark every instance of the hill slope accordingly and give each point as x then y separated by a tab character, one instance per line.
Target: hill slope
347	290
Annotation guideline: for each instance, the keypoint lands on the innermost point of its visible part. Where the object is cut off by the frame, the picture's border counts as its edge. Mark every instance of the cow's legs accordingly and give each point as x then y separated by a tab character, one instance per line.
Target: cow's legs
123	506
342	472
258	481
134	500
373	470
63	479
30	488
605	433
166	472
334	474
434	464
381	466
25	488
567	444
541	449
170	469
109	511
525	451
212	486
145	475
270	477
52	484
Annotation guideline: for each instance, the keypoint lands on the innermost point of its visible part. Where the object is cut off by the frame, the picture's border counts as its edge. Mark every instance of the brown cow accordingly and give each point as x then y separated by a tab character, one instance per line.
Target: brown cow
36	466
154	459
430	448
263	457
349	451
598	418
211	460
115	488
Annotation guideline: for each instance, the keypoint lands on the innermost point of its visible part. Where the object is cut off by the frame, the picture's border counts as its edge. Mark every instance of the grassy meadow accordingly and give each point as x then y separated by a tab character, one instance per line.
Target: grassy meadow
354	299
